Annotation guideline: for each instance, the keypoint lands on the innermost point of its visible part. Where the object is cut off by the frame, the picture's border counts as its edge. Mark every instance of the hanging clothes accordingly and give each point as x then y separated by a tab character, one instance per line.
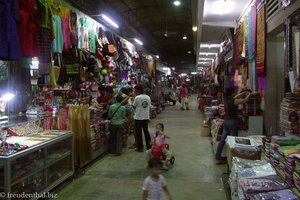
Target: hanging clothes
58	42
28	28
83	34
93	39
73	34
45	35
79	118
9	38
261	42
65	15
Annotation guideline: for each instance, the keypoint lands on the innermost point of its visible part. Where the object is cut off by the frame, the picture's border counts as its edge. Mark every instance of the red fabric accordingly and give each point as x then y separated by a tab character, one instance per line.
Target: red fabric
183	92
104	99
28	28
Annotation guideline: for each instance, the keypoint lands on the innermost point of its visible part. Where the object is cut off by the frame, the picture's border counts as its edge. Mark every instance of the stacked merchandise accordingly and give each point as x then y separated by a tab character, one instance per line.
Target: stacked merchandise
289	111
283	153
296	175
253	105
255	180
99	135
216	133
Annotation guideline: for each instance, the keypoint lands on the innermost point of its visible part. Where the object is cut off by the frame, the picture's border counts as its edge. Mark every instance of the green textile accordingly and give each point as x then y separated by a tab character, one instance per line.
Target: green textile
118	118
93	41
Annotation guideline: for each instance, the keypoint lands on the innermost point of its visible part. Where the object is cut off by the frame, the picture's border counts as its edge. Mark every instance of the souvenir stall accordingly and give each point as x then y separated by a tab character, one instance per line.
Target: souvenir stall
53	70
265	160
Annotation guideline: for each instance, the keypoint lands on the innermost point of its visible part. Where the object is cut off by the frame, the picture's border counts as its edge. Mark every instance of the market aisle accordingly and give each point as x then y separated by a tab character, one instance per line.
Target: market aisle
194	176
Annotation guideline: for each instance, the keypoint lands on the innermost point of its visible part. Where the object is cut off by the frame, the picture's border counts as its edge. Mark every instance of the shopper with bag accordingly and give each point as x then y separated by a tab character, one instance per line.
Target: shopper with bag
184	97
116	114
142	103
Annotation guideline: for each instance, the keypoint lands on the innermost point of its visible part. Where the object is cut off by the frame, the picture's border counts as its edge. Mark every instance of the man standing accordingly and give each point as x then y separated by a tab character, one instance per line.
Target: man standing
142	103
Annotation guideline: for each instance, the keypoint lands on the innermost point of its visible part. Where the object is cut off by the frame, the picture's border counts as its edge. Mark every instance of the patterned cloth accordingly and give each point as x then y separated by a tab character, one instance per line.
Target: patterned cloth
261	42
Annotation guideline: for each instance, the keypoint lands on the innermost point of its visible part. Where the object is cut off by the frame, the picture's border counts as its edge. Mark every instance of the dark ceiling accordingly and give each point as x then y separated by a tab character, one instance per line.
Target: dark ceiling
149	21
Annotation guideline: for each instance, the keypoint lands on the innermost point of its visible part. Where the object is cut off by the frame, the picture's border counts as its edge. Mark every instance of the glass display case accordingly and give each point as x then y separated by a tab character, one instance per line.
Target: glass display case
39	168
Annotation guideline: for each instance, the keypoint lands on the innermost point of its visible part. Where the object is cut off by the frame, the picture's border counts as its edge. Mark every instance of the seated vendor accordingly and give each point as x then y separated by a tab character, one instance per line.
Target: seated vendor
171	98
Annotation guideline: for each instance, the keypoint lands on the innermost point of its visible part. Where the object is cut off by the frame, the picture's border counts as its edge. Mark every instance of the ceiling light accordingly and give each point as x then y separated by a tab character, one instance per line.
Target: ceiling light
222	7
208	53
157	56
183	74
138	41
189	52
210	46
7	97
184	37
173	68
177	3
195	28
194	73
106	18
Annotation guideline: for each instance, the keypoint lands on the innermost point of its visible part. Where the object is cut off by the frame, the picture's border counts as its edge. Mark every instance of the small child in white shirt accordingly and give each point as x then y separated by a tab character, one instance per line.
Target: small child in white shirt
155	184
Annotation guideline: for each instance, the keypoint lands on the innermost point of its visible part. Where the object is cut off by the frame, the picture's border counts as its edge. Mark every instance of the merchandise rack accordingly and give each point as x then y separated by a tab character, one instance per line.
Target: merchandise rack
39	168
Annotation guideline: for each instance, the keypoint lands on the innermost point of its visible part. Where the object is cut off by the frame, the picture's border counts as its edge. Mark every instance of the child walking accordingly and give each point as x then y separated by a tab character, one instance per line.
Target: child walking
158	141
155	184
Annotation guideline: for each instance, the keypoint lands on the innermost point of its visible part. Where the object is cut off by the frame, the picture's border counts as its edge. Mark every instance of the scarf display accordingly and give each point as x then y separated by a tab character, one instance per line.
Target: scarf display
250	36
254	28
261	42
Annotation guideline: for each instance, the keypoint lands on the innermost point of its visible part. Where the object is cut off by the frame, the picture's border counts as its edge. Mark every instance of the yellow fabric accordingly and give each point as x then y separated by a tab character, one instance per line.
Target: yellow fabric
54	74
79	119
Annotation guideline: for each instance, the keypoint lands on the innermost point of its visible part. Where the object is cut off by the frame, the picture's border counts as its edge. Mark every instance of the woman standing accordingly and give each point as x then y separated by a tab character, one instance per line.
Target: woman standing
184	97
231	122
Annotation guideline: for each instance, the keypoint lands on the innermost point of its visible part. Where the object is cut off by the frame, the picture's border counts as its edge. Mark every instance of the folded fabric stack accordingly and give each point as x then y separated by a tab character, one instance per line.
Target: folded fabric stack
242	168
296	174
216	129
275	195
256	185
266	148
289	110
253	106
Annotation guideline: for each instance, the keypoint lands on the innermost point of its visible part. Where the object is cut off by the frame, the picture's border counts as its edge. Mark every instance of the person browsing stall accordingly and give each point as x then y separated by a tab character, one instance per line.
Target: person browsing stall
231	121
142	103
116	114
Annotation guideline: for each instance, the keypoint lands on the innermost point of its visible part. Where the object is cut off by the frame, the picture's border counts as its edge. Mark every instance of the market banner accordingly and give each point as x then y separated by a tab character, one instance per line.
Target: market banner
261	41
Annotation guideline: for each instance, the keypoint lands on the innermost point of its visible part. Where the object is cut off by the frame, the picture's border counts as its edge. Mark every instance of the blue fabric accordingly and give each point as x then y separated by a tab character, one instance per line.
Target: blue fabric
9	38
230	127
250	53
58	43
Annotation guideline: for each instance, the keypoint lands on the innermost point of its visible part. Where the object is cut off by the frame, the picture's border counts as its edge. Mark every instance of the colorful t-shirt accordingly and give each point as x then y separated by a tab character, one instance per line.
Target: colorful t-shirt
159	140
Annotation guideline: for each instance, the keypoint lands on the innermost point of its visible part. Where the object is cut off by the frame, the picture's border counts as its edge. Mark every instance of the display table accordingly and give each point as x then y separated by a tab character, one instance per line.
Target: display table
46	163
242	147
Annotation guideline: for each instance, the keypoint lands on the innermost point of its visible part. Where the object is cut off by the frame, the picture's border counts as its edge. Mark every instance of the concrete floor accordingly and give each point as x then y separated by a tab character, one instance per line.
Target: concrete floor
193	177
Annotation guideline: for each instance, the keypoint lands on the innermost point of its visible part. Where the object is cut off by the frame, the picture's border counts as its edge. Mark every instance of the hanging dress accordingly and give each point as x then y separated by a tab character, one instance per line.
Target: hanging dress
66	26
9	38
28	28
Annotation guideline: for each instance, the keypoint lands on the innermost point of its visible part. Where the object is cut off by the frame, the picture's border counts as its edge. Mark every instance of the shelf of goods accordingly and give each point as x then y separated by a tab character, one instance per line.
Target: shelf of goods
290	115
275	176
216	133
99	138
47	162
